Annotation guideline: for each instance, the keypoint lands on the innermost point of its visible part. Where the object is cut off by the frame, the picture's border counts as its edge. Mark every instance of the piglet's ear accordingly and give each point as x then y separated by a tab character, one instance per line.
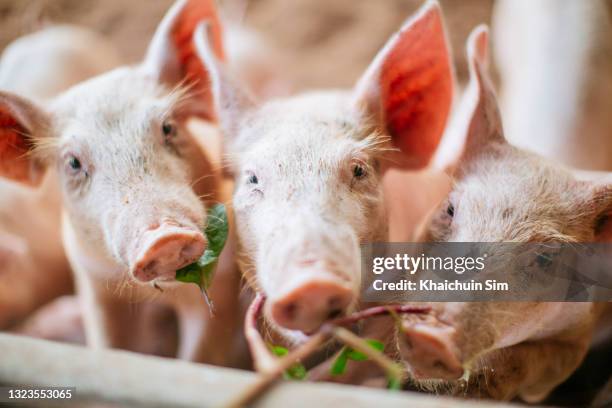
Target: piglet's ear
408	88
476	124
171	57
20	123
231	99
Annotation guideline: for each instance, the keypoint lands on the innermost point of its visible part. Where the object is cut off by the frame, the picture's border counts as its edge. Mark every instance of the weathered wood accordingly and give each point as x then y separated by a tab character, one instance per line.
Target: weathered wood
118	376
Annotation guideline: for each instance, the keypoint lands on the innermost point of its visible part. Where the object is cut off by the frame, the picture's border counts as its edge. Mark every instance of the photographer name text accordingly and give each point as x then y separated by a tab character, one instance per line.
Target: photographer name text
410	265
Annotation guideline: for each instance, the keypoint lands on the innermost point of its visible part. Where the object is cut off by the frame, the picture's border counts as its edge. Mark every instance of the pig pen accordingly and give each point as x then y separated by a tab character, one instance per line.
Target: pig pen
308	33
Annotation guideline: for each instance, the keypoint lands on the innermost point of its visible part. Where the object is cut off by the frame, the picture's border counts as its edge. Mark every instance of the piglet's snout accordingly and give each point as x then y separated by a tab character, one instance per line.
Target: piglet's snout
306	305
430	351
166	249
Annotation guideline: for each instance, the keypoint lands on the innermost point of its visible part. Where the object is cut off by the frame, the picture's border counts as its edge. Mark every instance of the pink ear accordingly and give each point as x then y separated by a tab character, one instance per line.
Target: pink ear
19	120
13	148
408	87
476	123
231	98
172	56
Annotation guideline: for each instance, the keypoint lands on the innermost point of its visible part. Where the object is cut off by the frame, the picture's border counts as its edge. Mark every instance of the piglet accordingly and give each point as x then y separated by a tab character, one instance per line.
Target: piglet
309	169
47	62
33	266
134	186
503	194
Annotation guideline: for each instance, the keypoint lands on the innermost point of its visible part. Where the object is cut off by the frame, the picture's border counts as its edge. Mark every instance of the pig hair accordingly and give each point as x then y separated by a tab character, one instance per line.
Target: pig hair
179	94
248	268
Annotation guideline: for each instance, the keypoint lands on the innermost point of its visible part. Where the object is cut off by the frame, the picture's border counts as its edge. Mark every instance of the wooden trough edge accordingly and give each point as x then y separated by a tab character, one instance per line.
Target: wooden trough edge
124	377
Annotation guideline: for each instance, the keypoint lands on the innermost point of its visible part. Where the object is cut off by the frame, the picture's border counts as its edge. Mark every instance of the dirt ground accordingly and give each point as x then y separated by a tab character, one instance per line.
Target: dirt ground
325	43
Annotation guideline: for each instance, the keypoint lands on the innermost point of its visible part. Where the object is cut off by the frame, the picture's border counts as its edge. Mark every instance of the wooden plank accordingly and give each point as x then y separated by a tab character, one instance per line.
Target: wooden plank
119	376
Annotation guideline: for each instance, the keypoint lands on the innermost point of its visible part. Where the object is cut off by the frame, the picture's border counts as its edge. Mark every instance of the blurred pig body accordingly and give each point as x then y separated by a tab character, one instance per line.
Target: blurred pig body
134	185
555	61
503	194
45	63
33	266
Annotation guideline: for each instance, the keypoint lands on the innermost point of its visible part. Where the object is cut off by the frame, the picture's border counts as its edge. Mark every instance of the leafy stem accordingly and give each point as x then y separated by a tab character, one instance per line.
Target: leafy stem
202	271
272	368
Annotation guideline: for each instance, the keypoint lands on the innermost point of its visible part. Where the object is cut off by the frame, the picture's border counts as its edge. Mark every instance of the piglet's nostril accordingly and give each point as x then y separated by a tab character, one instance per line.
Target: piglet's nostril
148	268
334	302
290	310
334	313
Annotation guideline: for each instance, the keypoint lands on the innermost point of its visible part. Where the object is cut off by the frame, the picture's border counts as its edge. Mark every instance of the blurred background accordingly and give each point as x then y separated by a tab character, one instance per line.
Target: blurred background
326	43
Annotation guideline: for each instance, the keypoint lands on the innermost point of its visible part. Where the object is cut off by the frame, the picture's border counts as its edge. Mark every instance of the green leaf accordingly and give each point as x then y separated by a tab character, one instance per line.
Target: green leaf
202	271
376	344
359	356
339	366
347	353
190	274
217	229
394	383
296	371
279	351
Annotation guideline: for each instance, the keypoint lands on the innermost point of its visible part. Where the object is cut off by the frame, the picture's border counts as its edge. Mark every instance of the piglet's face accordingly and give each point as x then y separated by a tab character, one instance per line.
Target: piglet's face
309	169
131	175
500	194
124	164
509	195
308	192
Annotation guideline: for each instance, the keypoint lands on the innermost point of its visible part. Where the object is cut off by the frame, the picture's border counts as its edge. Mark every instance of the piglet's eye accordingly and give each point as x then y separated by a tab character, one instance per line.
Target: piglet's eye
359	171
450	210
74	163
168	128
252	179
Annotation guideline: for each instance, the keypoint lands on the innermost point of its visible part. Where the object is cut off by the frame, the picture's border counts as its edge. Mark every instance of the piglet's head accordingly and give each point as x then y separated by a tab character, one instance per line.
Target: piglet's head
309	168
131	174
500	194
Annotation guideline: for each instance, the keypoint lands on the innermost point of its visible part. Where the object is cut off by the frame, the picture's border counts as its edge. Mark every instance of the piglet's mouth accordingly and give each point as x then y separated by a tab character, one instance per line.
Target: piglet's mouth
165	250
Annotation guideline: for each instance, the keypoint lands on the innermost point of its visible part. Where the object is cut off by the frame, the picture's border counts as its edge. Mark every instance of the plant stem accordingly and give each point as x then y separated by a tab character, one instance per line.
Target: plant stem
263	359
379	311
266	379
272	368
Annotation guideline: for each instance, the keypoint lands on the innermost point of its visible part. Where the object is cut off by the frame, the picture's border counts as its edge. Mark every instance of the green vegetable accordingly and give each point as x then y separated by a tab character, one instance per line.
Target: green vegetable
394	383
296	371
339	366
359	356
347	353
202	271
